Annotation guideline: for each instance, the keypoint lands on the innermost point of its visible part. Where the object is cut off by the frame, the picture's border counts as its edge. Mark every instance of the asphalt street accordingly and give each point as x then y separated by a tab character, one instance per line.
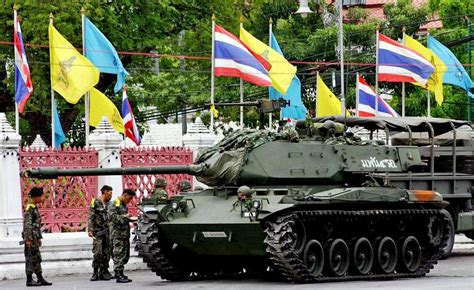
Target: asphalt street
457	272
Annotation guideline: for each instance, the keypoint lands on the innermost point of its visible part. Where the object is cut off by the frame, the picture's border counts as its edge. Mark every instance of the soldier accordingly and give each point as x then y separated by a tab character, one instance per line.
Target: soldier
159	193
184	186
98	230
244	196
32	237
119	223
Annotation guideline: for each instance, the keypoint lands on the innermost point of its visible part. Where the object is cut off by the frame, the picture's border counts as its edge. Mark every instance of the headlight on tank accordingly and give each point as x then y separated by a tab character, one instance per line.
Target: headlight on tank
256	204
174	205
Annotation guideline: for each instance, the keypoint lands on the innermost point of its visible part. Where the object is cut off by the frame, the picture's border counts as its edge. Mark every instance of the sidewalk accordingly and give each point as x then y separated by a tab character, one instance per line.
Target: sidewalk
62	254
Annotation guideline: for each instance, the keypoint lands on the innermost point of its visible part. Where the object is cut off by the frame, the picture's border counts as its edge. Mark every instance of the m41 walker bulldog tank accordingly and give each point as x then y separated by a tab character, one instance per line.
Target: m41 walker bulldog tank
316	212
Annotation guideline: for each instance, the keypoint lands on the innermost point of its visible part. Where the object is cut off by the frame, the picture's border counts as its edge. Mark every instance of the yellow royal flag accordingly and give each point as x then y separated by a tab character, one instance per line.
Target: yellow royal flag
214	111
435	83
72	74
101	106
327	104
281	72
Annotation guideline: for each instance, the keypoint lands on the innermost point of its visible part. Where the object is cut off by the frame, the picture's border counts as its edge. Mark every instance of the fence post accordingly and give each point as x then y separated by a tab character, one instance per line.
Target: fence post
107	143
11	218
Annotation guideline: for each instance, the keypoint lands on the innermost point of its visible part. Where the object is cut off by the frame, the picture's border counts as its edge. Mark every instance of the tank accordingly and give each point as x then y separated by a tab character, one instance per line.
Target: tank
314	210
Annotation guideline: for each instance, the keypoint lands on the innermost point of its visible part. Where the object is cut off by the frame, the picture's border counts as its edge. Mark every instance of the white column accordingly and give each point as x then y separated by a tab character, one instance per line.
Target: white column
198	136
11	220
107	143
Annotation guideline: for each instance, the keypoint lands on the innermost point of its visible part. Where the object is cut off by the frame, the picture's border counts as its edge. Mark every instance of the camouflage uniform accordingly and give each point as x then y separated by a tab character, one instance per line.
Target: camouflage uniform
119	225
32	231
98	225
159	194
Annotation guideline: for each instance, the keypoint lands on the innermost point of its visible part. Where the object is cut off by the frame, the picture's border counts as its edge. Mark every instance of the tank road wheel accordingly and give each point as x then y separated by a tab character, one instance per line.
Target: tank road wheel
313	257
338	257
448	238
410	255
298	235
363	256
386	255
435	231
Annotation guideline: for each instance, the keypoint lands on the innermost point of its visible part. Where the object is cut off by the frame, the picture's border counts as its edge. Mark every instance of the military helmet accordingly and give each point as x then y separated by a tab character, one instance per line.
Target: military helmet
245	190
160	182
184	185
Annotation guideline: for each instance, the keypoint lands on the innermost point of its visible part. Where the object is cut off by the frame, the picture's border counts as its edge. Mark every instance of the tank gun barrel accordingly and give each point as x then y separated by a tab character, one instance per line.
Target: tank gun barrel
54	172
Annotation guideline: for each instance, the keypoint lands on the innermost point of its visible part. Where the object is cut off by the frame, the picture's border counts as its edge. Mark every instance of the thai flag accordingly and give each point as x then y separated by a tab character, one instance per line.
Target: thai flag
233	59
398	63
131	130
366	105
23	85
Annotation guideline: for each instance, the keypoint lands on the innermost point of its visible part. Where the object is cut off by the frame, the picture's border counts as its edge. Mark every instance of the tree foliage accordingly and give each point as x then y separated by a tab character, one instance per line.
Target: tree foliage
169	29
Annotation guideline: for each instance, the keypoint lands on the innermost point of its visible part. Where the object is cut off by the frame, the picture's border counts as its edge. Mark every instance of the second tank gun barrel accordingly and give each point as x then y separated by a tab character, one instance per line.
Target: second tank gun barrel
54	172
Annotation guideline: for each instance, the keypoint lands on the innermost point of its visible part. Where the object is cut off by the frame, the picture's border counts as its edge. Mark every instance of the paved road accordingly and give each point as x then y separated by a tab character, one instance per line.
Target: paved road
457	272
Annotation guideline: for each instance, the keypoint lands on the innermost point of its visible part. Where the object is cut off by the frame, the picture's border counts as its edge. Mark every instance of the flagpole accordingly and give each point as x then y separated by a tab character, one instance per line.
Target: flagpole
53	137
377	74
17	113
242	87
270	31
212	68
429	102
357	94
403	83
87	95
316	99
428	91
341	47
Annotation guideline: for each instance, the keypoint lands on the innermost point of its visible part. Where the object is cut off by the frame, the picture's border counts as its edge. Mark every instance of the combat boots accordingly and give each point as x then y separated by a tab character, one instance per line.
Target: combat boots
121	278
42	281
95	275
106	274
103	277
30	282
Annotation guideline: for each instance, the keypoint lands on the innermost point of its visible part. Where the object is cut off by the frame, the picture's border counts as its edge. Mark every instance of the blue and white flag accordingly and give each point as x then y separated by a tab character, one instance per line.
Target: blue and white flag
398	63
102	54
366	105
233	59
296	110
456	75
23	85
59	136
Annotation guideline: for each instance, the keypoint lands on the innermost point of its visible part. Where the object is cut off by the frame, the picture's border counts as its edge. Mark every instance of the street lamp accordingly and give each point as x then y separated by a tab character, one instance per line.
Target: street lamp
304	11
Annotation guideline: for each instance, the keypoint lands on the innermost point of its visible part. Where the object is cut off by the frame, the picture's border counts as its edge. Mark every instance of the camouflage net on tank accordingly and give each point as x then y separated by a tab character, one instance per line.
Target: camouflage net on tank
224	160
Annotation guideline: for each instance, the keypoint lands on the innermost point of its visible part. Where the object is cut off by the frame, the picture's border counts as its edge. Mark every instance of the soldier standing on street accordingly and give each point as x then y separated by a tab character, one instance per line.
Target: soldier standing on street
159	193
119	223
98	230
32	237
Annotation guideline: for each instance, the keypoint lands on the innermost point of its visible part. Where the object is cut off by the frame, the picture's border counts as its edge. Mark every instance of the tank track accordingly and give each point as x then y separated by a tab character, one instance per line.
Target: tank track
151	252
285	261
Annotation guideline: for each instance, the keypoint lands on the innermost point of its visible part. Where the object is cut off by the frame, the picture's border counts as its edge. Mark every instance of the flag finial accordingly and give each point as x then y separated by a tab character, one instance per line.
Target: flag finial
83	10
242	19
270	20
404	29
51	16
213	17
15	7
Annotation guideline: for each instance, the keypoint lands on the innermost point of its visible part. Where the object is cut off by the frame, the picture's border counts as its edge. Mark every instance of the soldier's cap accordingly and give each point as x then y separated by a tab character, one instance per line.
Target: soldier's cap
129	192
36	192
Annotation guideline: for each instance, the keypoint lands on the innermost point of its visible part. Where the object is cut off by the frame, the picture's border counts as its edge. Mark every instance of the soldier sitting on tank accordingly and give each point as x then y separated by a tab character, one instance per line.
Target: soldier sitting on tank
159	194
244	197
184	186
